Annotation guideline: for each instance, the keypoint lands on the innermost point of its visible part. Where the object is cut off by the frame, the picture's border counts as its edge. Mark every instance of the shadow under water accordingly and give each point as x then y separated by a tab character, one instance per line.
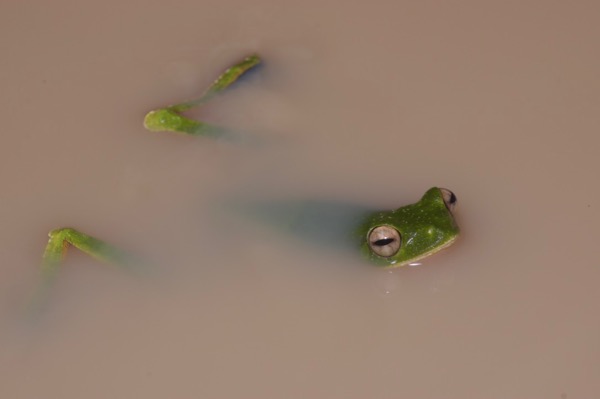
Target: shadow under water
322	223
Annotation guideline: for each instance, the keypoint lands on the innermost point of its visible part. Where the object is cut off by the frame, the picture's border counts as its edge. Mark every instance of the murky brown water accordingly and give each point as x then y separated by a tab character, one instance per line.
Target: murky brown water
370	103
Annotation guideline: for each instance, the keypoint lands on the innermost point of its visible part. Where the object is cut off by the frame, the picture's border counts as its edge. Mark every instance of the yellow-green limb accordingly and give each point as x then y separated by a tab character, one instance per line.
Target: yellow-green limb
61	239
231	75
169	118
58	244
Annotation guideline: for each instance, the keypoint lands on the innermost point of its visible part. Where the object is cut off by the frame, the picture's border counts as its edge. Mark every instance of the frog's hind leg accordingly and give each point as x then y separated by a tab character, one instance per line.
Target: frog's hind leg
59	242
55	252
170	119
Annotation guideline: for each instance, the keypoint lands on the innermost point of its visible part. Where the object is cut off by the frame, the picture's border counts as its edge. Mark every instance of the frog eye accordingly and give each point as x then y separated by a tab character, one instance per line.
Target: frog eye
449	199
384	241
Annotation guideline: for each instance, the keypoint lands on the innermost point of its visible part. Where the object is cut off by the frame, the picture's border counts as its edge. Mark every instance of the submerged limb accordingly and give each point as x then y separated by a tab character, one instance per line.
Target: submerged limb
170	119
55	252
226	79
59	242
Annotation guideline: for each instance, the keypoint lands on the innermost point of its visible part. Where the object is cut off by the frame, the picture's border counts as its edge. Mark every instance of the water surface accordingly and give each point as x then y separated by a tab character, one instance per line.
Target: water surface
368	104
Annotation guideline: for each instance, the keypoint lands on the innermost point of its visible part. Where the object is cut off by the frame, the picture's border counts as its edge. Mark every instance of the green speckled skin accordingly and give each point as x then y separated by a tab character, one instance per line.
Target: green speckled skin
425	227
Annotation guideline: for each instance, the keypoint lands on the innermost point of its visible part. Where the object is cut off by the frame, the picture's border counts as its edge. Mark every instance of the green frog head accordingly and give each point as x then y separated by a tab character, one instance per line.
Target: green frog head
412	232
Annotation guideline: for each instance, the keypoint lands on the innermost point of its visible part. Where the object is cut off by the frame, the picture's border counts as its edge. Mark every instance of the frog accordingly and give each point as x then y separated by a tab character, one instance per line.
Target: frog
386	238
410	233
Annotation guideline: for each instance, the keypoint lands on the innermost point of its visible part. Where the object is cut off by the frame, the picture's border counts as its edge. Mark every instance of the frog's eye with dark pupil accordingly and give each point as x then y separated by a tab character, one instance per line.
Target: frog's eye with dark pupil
384	241
449	199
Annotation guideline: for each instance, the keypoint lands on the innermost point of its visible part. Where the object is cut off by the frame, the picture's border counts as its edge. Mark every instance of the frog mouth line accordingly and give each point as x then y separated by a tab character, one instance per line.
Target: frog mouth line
425	255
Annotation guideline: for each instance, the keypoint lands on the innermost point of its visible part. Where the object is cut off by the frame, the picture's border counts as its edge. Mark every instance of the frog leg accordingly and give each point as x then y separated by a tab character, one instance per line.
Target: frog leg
54	254
59	242
170	118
